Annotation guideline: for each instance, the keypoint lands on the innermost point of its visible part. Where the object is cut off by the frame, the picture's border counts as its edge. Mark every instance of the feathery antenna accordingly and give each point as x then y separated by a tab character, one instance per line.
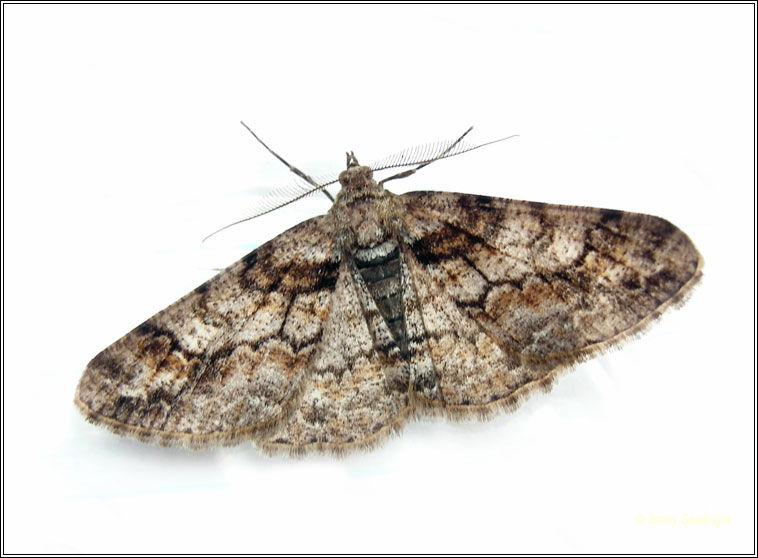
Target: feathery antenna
299	191
421	156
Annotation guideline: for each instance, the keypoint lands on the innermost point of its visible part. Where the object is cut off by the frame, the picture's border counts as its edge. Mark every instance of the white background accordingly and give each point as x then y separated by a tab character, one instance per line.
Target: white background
123	149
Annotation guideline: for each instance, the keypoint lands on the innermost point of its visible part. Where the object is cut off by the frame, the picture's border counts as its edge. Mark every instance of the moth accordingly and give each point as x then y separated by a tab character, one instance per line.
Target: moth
336	332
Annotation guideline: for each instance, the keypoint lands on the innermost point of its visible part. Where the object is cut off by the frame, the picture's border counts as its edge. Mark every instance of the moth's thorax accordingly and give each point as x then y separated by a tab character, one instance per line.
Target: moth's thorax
363	210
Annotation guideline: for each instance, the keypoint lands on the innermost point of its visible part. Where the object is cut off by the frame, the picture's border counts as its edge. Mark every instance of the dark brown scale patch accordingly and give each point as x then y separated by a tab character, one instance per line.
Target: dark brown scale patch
663	278
537	206
425	383
202	289
663	231
156	338
327	277
610	215
476	203
449	242
111	366
632	284
125	407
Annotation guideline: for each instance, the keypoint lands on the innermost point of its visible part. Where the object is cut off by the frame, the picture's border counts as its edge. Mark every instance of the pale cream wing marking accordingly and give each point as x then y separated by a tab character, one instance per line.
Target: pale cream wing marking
222	362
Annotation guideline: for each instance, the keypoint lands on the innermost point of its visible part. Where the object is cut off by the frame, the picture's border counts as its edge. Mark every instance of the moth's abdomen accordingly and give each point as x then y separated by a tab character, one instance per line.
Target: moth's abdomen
379	267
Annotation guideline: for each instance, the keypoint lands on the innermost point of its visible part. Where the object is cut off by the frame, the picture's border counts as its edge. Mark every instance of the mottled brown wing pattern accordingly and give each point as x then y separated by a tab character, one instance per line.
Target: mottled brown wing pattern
355	393
335	332
469	368
223	362
544	285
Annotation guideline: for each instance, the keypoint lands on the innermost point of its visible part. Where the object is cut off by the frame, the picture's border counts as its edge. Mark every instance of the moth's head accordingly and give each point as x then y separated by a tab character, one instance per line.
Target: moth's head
356	176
